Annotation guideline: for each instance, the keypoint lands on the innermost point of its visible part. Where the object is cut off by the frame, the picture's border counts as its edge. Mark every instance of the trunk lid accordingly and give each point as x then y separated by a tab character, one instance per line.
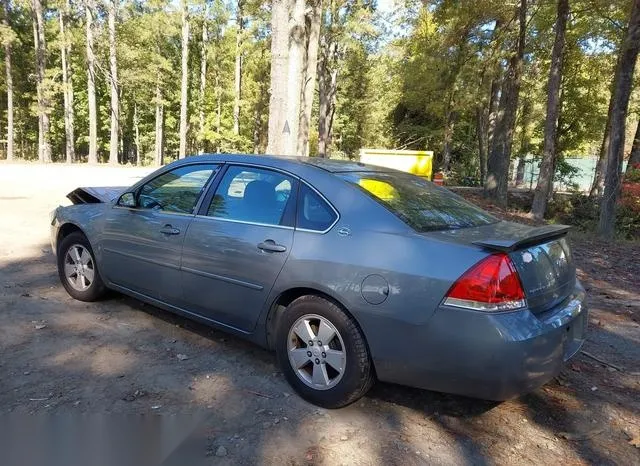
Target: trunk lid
541	256
547	273
95	195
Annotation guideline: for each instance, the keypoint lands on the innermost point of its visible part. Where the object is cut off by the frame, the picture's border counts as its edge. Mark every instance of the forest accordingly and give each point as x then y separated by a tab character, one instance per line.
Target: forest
481	83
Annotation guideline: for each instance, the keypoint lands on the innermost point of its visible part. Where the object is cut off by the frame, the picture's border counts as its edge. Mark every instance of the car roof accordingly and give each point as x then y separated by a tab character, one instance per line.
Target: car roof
329	165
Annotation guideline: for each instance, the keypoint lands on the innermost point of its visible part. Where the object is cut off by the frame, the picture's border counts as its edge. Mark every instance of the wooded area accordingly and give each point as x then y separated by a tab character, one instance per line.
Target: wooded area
480	83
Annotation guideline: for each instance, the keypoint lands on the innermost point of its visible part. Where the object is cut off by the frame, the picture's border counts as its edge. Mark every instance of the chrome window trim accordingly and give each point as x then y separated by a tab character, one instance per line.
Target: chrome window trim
328	203
264	167
244	222
159	211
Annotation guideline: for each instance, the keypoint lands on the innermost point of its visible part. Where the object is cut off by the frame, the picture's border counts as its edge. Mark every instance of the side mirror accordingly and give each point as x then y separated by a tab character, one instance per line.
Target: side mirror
127	200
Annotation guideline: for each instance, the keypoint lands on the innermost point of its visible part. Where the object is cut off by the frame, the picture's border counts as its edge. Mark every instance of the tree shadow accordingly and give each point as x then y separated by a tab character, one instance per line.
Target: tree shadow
120	356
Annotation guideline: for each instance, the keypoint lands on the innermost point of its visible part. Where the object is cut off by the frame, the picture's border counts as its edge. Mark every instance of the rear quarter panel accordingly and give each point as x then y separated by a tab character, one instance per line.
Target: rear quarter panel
419	270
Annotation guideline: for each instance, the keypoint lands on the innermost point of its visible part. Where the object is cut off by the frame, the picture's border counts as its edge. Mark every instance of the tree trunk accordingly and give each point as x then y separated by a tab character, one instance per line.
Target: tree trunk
287	50
9	81
203	79
448	134
136	129
295	73
260	105
67	84
494	102
313	21
481	134
184	88
218	111
545	178
279	60
634	157
257	122
113	81
159	146
44	146
238	71
498	164
327	86
601	165
91	85
621	92
494	96
526	116
520	169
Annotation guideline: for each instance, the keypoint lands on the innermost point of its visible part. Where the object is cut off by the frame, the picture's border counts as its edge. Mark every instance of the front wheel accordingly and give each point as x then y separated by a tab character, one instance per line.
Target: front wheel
323	353
77	268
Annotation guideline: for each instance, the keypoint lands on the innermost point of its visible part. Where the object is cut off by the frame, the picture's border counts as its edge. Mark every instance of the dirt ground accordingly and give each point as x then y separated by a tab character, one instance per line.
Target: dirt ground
58	355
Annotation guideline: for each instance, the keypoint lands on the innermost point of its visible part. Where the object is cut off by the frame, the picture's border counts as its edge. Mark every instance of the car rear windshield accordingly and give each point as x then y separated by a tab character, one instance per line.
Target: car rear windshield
418	202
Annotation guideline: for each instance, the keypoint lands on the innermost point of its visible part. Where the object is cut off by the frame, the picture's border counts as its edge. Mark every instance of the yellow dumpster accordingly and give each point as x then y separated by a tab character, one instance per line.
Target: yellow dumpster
417	162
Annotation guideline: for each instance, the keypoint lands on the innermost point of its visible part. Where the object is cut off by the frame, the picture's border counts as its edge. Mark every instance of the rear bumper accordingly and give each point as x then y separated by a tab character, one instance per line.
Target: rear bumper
490	356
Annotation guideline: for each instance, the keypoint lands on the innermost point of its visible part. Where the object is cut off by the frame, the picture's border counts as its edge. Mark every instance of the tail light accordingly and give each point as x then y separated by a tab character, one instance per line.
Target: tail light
492	284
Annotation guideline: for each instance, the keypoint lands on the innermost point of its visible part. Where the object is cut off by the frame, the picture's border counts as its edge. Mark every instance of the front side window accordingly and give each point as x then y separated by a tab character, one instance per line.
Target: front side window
419	203
313	212
253	195
177	190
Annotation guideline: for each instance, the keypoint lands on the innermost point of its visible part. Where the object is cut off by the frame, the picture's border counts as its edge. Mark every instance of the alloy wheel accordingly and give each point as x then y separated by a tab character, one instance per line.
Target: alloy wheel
316	352
79	267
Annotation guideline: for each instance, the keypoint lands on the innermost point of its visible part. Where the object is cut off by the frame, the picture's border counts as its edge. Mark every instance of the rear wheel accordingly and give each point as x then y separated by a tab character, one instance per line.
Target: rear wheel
322	353
77	268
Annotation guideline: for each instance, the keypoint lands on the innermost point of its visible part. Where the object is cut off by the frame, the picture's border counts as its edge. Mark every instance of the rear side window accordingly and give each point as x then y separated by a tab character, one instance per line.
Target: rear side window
419	203
313	212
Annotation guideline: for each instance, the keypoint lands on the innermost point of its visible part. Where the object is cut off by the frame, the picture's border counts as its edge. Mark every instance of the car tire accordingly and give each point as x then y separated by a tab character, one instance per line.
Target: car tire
347	351
77	268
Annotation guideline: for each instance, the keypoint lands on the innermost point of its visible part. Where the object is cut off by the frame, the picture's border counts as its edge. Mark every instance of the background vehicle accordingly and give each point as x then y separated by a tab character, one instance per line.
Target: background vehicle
350	272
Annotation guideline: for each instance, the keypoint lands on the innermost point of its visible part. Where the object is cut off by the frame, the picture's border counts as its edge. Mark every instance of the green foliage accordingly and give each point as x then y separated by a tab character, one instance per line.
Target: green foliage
148	52
403	76
632	175
578	210
565	173
583	213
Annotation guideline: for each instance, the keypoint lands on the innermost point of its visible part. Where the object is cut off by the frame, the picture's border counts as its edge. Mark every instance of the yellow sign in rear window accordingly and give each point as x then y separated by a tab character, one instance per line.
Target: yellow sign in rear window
379	189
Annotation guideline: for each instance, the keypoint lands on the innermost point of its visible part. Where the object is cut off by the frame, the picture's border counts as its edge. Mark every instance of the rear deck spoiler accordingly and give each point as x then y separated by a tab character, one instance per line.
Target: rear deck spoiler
537	235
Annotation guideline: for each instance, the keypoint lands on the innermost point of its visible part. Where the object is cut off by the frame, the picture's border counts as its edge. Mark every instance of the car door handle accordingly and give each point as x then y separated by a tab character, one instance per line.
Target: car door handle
169	230
271	246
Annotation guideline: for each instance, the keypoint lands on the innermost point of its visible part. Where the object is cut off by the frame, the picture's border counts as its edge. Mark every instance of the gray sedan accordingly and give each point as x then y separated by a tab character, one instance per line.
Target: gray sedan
351	273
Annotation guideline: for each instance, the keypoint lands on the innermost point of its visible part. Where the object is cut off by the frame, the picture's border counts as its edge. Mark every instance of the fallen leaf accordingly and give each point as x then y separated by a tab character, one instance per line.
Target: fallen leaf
635	441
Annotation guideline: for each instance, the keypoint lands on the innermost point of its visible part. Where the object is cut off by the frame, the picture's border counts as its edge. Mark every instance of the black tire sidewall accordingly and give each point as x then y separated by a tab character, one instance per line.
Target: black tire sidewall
354	382
96	289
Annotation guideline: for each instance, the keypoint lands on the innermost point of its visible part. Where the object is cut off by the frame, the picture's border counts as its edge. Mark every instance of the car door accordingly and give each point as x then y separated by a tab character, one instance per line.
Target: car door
237	245
142	245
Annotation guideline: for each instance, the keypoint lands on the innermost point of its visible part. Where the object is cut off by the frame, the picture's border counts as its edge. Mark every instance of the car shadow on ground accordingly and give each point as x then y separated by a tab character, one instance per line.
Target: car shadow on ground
122	356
